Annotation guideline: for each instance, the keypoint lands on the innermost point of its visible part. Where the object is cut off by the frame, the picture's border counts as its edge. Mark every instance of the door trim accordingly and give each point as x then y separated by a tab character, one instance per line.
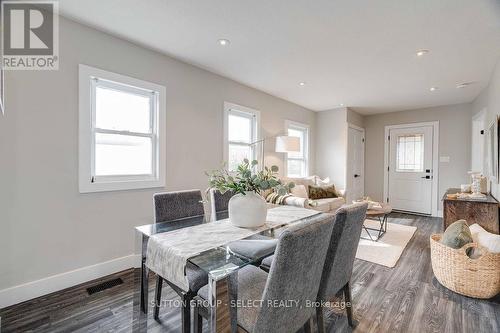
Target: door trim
362	130
435	160
356	127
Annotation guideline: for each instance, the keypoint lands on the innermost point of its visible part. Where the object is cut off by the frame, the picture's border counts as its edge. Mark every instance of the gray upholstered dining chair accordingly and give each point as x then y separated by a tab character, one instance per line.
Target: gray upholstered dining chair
219	204
172	206
288	279
340	258
256	246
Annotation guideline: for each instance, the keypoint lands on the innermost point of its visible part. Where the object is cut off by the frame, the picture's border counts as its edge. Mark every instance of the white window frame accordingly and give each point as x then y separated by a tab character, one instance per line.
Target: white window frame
289	124
89	79
231	108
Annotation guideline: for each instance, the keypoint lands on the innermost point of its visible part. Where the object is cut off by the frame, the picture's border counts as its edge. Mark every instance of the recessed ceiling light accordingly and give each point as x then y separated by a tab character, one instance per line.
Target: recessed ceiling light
341	104
464	85
302	83
223	42
422	52
433	88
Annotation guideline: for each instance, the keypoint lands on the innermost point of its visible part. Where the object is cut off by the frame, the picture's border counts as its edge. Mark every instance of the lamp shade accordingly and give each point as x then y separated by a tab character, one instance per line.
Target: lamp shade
287	144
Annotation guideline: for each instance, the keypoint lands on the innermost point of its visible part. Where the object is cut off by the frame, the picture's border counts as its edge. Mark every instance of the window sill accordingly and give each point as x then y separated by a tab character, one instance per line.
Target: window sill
88	187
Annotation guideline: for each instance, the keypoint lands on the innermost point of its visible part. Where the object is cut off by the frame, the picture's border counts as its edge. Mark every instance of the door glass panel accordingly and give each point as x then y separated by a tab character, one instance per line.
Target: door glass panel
410	153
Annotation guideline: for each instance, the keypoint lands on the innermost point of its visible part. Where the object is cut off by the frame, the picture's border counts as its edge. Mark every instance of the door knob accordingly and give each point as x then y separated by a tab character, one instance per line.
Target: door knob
356	176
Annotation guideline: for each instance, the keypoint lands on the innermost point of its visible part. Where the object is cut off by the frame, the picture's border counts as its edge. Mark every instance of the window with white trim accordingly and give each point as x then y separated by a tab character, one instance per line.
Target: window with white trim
297	163
241	134
121	140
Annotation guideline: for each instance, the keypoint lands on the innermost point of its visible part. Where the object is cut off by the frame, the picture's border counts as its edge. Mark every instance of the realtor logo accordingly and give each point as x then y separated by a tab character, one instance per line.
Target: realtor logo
30	35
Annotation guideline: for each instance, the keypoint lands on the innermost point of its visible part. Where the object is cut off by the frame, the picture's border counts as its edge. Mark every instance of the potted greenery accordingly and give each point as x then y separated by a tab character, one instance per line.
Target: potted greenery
247	208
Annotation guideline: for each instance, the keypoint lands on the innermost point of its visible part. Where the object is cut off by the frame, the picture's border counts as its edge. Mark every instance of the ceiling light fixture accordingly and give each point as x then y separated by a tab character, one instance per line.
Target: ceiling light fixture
422	52
302	84
464	85
341	104
433	88
223	42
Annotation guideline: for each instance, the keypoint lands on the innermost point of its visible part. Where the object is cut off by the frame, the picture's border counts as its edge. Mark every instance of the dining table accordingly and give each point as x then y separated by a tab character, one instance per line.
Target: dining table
217	259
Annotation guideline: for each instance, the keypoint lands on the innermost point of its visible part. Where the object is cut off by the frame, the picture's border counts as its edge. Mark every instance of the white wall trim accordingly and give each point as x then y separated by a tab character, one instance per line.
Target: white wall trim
479	114
435	160
30	290
356	127
440	213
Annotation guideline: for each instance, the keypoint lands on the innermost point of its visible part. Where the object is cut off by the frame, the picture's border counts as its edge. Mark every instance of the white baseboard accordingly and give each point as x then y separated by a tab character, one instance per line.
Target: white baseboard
440	213
30	290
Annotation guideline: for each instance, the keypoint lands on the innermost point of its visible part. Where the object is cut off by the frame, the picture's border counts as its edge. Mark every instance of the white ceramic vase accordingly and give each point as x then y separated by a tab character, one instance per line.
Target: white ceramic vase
247	210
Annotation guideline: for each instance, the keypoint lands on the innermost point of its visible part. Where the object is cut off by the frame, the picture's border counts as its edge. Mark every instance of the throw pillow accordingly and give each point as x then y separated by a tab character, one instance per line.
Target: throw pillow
485	239
457	235
299	191
322	192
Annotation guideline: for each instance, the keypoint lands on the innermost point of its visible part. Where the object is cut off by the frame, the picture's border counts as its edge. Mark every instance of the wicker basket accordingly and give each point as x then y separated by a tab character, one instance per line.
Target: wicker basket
479	278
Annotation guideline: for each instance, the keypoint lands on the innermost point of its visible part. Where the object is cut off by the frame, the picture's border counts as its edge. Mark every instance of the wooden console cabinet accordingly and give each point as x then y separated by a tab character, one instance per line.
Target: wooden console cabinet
482	212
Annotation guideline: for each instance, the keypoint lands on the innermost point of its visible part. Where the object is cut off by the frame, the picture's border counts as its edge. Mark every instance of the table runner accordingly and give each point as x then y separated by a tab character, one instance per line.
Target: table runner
167	253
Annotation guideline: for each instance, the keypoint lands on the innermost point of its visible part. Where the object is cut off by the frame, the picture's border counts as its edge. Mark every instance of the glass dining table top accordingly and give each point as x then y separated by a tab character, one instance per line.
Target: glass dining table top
218	261
161	227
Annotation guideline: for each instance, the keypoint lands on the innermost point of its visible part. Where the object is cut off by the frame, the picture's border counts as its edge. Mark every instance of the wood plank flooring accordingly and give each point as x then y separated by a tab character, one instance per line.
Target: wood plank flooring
406	298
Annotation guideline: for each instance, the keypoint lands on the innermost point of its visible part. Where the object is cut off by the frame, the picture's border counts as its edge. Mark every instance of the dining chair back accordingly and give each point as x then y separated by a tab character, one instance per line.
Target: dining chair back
339	261
290	279
169	206
219	204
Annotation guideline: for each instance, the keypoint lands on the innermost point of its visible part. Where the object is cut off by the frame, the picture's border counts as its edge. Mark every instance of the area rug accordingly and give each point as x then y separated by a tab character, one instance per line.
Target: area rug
387	250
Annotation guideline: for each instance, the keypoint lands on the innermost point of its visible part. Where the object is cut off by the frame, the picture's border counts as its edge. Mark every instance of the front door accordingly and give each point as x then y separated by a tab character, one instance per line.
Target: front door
410	169
355	185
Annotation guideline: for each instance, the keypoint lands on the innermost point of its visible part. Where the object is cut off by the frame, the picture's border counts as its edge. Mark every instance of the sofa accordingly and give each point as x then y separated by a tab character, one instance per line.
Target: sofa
300	195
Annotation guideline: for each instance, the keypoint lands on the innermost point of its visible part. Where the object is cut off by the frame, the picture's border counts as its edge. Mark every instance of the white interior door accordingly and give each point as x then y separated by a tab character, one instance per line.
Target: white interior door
478	143
410	169
355	185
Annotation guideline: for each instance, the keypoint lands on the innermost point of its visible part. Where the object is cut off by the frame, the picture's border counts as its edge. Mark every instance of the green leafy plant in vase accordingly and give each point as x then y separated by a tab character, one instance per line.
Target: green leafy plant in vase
247	208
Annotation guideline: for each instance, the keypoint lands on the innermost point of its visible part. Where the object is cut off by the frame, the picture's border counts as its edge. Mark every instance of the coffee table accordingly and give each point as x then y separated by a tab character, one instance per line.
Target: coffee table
379	214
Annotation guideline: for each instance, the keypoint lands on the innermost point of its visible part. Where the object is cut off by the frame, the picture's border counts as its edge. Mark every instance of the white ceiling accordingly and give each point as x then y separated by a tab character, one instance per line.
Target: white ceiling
357	52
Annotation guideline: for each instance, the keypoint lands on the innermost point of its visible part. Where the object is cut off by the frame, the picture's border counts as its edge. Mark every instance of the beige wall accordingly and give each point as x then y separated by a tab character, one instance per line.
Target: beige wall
47	226
454	141
331	145
489	99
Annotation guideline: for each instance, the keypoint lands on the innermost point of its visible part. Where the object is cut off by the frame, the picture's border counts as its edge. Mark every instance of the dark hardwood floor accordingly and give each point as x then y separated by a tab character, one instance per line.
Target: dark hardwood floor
406	298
